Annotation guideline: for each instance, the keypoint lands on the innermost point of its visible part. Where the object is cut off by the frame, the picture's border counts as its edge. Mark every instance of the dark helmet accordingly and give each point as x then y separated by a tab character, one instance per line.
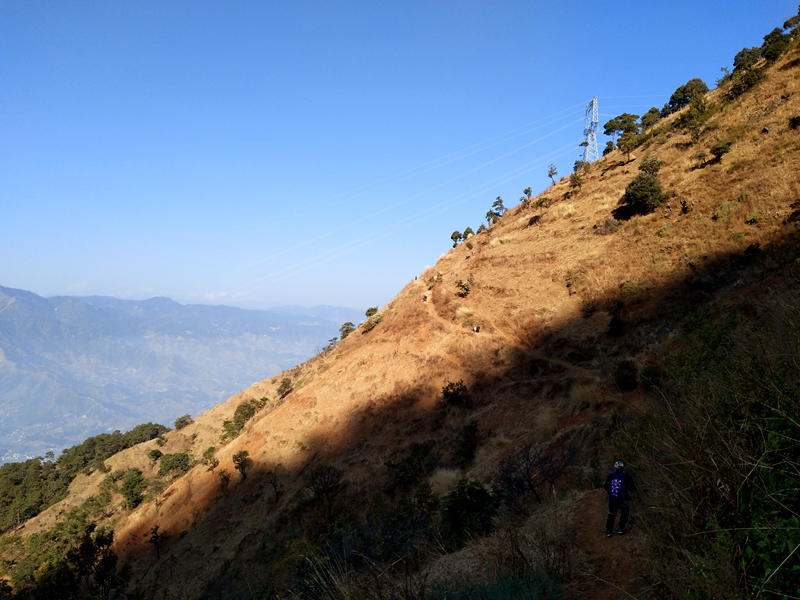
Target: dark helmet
619	465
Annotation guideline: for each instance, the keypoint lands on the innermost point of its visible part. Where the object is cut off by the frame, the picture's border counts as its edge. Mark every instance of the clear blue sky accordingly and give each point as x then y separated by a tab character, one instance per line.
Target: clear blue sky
266	153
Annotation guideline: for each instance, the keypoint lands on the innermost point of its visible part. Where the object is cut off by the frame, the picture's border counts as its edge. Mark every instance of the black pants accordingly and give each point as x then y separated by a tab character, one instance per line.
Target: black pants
614	505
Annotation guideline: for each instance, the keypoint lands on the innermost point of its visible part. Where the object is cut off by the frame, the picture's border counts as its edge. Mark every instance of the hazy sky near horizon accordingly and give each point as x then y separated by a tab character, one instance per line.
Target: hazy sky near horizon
267	153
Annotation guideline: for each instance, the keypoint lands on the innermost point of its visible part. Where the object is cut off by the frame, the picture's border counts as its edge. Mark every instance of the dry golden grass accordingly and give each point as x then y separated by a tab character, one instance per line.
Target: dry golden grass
547	423
380	392
444	480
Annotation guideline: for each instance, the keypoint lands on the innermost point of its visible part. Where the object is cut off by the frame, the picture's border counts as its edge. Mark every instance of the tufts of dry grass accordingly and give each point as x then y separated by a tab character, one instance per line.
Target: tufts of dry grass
444	480
547	423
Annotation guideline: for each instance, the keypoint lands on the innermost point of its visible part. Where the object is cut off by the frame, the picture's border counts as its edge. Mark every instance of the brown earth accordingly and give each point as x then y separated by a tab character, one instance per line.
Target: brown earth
614	564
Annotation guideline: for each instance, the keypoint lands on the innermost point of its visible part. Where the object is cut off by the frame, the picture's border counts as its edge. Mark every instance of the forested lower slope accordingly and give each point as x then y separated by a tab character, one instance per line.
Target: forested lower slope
645	309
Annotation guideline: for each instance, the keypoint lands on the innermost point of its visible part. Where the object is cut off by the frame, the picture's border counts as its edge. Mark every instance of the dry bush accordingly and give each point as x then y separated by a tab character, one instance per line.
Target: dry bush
546	542
580	398
443	480
560	211
547	423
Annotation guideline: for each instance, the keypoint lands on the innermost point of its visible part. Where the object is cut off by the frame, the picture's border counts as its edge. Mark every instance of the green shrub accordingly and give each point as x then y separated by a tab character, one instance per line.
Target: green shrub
651	165
371	311
626	375
175	464
617	325
183	421
469	508
455	393
464	287
627	142
247	410
371	323
155	454
752	217
133	486
211	461
722	453
775	43
629	288
682	97
285	387
643	195
721	148
723	211
698	113
746	58
743	81
242	462
652	376
466	444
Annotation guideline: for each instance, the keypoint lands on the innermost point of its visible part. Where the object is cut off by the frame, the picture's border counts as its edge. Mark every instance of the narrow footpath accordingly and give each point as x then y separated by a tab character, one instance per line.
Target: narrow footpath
614	564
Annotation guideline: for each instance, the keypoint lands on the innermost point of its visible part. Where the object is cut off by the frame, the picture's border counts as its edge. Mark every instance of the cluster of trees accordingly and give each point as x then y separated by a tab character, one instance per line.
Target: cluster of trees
175	465
27	488
373	318
775	43
746	74
492	216
691	96
71	561
631	128
246	411
497	210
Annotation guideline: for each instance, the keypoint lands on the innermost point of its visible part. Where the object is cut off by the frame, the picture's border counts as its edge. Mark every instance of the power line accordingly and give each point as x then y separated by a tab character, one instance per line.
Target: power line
405	223
406	200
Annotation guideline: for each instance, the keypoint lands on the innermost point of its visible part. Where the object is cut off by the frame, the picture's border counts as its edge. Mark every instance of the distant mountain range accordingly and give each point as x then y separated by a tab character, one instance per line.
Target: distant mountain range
72	367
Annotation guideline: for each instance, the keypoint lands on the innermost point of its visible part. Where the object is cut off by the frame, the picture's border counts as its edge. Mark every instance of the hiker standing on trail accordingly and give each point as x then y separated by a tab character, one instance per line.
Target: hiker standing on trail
618	484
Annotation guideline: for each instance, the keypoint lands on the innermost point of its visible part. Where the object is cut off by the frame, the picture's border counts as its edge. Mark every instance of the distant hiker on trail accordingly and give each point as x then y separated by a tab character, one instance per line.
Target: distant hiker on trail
618	484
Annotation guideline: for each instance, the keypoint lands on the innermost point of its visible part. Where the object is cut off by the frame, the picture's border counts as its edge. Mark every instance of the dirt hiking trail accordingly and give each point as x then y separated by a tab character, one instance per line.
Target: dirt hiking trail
613	564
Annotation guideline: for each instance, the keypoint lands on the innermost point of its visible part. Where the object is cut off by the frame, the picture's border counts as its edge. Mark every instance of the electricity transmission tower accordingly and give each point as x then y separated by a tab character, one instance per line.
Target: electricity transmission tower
590	153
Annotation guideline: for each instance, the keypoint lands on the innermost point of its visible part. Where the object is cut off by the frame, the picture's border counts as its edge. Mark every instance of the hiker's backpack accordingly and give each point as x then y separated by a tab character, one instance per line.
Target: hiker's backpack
617	489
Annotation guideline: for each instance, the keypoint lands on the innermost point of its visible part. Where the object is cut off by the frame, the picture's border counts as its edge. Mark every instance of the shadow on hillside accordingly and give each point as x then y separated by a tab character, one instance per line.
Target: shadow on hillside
246	520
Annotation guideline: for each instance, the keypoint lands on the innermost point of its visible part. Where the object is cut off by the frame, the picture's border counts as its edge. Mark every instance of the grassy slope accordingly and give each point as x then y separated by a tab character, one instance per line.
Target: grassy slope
380	392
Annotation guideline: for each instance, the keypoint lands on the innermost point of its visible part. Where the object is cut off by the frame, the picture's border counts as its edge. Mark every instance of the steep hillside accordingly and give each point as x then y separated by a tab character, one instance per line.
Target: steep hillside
354	489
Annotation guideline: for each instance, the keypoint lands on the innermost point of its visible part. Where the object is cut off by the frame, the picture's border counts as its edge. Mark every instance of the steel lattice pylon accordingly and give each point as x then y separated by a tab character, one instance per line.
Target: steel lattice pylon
590	153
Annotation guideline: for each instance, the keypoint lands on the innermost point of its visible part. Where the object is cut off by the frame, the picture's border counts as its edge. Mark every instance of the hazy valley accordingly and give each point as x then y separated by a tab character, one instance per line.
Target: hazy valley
73	367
